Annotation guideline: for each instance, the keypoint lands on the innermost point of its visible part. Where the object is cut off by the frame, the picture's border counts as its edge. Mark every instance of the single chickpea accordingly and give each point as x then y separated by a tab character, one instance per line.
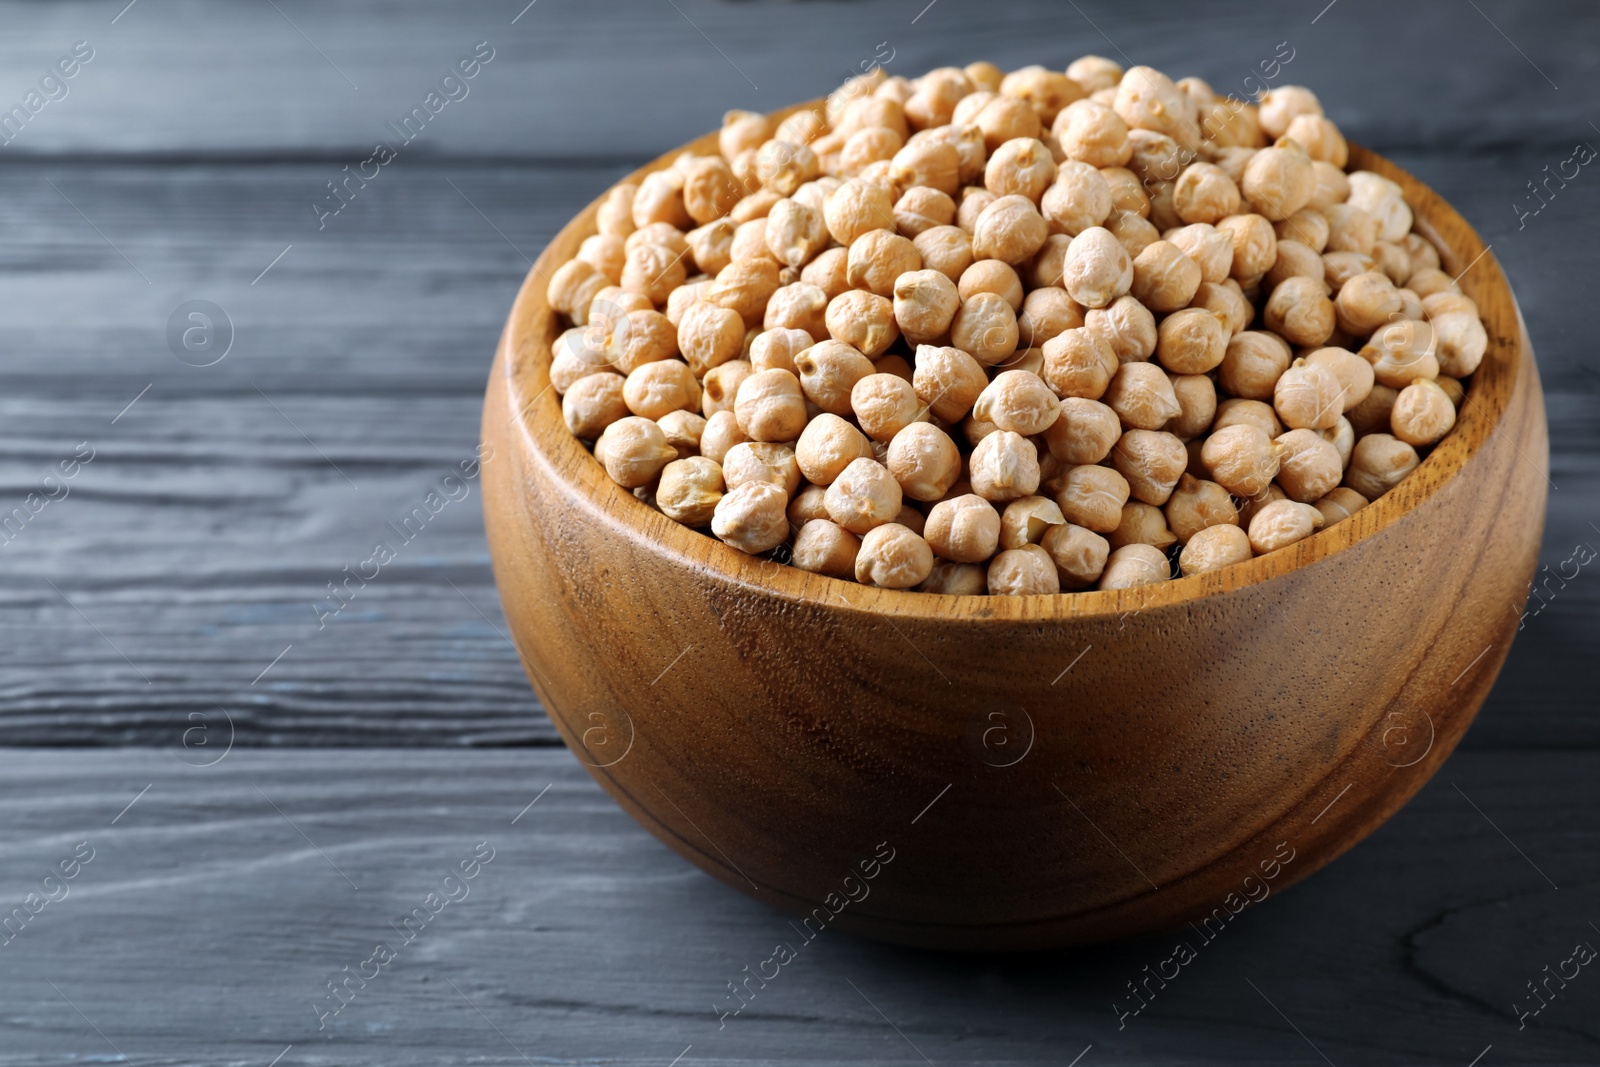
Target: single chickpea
828	445
1004	466
689	490
1210	248
682	299
1252	364
948	381
1253	504
1422	413
709	189
986	327
1282	523
639	337
972	204
761	461
893	557
659	198
1046	91
1079	363
1135	565
955	579
770	407
1228	301
856	208
606	253
863	320
720	434
1045	270
991	276
924	461
1079	199
1010	229
1213	548
1309	466
1147	99
745	286
1092	133
1279	107
1340	504
1128	196
1047	312
1300	312
653	389
963	529
1442	303
593	403
1142	396
1026	521
946	249
1127	326
784	166
1453	389
869	145
751	518
1164	279
1018	401
1234	412
1350	229
793	232
653	270
1402	352
827	272
925	303
1192	341
884	404
1308	395
1079	555
921	208
1340	267
1025	571
1372	414
615	215
1383	198
1197	405
1205	193
1296	260
930	164
1084	432
1366	302
809	503
1097	269
1092	496
720	386
1021	167
824	547
1028	359
775	348
1354	373
1003	118
711	245
758	203
1197	503
683	430
877	258
1426	281
1142	524
1241	459
1255	245
1342	436
634	450
572	288
864	495
1163	212
750	241
829	371
1378	463
1308	226
1332	186
1151	461
1278	181
709	336
1461	342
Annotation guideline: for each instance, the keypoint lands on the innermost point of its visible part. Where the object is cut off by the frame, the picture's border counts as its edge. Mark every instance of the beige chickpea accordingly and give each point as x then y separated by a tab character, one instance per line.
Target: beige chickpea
864	495
930	164
824	547
809	503
1021	167
955	579
1028	359
1423	253
1378	463
1427	281
1300	312
1084	431
1079	199
1422	413
606	253
865	146
1453	389
1142	396
863	320
1142	524
1205	193
634	450
1210	248
948	381
1192	341
1279	107
1151	461
1025	571
1252	364
770	407
1164	278
1004	466
593	403
784	166
681	299
1333	187
1213	548
745	286
1079	555
985	326
1366	302
991	276
720	434
659	198
1308	467
1350	229
1018	401
761	461
1372	414
639	337
1228	301
1354	373
1196	504
1445	302
963	529
1236	412
800	306
1197	405
1461	342
720	386
893	557
828	372
827	272
1079	363
750	241
856	208
1308	395
615	215
751	518
1026	521
828	445
1241	459
575	357
1340	267
1340	504
1278	181
877	258
1127	326
971	152
1092	496
1046	313
1383	198
1401	352
1147	99
758	203
1281	523
946	249
884	404
1095	72
1393	260
1128	196
709	189
794	233
1092	133
1044	272
1003	118
1134	565
1098	269
924	461
925	303
1010	229
921	208
653	389
683	430
1163	212
1255	245
572	288
1342	436
1295	260
689	490
1308	226
711	245
971	205
1046	91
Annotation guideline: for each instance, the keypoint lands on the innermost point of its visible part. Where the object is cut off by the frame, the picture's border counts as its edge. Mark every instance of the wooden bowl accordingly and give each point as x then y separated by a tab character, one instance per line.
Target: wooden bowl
1008	773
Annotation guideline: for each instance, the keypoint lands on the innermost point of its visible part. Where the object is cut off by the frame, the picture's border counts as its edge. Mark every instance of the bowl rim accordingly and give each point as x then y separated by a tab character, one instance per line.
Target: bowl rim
534	412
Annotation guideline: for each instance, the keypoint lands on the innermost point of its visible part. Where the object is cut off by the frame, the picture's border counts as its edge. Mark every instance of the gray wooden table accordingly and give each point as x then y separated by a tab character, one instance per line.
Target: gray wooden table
165	598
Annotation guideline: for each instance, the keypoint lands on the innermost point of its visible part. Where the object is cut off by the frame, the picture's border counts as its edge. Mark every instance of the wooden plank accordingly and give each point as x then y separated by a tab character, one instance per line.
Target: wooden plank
216	908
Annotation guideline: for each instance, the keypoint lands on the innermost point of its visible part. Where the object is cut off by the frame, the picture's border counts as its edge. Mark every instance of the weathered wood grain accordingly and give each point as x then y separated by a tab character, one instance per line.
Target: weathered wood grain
206	925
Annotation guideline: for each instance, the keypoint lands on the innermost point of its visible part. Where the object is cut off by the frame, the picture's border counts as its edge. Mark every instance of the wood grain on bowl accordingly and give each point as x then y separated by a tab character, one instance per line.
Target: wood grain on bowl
1045	770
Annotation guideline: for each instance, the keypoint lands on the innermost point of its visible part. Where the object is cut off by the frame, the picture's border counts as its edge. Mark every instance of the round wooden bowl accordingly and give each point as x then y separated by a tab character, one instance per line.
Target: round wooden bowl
1008	773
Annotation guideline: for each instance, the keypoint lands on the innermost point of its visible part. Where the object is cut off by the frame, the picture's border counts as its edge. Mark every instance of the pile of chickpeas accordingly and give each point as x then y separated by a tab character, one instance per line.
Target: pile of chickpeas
990	333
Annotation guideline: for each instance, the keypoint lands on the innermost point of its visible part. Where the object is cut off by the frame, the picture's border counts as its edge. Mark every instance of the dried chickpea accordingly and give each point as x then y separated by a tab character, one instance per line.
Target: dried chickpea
1079	555
963	529
955	579
927	163
1097	268
751	518
1280	106
709	189
1228	301
1010	230
1372	414
682	299
1422	413
750	242
1018	401
1127	326
606	253
1092	496
1151	461
877	258
1308	395
1045	270
1205	193
872	144
1453	389
863	320
925	303
991	276
1252	364
1240	458
1300	312
720	386
1001	118
1135	565
1401	352
1128	196
827	272
1164	278
594	402
1197	503
1026	521
689	490
659	198
1253	504
1084	432
683	430
1197	405
615	215
893	557
924	461
824	547
793	232
1308	226
1350	229
1209	247
1192	341
800	306
758	203
1079	198
745	286
1213	548
1354	373
1046	313
921	208
1021	167
573	286
1094	73
653	389
828	445
784	166
1025	571
828	371
864	495
948	381
1296	260
1147	99
1340	504
640	337
709	336
1342	436
809	503
770	407
1282	523
1255	245
761	461
1142	396
856	208
1308	467
1461	342
971	205
720	434
884	404
1092	133
1235	411
946	249
1366	302
1340	267
986	327
1278	181
1142	524
1378	463
634	450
